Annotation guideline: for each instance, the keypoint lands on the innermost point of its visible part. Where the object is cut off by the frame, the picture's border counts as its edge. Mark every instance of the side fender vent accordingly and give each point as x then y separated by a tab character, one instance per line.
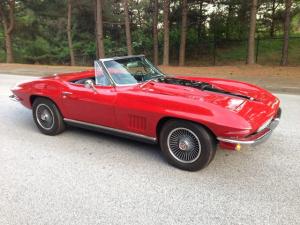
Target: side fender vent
137	122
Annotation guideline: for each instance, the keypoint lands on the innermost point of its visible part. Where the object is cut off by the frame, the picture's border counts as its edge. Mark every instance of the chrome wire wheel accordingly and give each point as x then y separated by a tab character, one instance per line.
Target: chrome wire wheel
184	145
44	116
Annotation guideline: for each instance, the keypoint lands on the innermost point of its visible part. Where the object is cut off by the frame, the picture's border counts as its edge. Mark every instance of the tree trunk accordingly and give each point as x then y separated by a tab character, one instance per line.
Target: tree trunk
272	26
287	20
251	37
127	28
199	25
69	31
183	33
8	47
99	30
155	33
166	9
8	25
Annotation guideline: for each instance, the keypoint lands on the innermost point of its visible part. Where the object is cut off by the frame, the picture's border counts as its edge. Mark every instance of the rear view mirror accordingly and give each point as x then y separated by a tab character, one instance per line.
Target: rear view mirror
132	65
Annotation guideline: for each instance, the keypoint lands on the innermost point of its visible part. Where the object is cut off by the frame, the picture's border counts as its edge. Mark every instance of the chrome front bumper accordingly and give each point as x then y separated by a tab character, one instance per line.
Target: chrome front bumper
14	98
257	137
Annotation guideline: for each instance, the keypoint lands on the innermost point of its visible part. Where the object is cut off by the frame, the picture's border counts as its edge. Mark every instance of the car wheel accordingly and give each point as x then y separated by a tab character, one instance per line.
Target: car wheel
47	117
187	145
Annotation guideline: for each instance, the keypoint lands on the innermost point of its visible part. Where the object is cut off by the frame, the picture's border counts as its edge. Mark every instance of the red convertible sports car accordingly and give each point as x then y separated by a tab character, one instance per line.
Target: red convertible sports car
128	96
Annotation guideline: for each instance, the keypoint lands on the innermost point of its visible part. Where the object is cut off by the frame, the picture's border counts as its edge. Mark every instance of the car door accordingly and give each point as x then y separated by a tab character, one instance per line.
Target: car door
95	105
91	106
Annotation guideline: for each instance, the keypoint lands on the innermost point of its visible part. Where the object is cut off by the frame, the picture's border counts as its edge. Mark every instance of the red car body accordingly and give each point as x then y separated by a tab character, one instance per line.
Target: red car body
141	109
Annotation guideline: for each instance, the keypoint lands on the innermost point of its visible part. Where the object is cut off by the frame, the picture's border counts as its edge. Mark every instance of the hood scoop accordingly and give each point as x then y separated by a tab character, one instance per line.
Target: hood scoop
203	86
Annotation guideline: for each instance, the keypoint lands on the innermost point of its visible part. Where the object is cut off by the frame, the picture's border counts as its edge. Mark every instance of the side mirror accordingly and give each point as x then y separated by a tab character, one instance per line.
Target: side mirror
90	85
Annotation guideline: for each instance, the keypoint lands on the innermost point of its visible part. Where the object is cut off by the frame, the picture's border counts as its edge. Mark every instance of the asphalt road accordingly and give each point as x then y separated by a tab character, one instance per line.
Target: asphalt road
83	177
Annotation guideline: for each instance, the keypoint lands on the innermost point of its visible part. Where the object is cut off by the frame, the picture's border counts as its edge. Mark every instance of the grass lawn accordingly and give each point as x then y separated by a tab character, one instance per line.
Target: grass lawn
269	52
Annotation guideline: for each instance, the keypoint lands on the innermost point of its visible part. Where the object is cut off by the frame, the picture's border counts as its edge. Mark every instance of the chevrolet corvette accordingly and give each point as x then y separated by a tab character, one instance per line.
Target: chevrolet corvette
127	96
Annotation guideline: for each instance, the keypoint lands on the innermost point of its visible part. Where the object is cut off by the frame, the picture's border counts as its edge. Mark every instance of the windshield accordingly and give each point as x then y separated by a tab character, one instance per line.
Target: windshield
132	70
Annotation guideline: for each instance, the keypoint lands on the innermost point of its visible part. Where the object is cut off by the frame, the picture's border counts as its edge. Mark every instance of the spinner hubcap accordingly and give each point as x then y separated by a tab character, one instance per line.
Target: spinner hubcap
184	145
44	116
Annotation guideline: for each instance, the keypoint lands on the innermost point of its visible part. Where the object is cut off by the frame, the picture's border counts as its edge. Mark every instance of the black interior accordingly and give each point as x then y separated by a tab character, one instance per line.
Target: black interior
83	80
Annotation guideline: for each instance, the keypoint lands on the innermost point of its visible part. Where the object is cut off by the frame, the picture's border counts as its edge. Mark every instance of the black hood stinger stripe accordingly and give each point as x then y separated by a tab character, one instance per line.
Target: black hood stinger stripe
203	86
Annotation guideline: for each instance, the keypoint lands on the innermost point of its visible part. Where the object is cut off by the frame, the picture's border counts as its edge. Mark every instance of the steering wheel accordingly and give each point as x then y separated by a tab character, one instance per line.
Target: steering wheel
139	75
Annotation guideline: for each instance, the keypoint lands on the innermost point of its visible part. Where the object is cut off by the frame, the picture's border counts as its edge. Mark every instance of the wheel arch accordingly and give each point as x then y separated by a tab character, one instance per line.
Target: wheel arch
163	120
56	127
32	98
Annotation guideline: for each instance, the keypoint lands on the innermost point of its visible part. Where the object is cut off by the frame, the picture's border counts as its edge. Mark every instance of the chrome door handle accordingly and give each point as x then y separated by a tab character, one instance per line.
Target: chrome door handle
66	93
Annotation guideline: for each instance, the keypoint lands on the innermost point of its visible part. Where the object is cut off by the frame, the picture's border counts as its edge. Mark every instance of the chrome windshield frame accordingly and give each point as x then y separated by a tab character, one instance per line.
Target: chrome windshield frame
106	73
102	63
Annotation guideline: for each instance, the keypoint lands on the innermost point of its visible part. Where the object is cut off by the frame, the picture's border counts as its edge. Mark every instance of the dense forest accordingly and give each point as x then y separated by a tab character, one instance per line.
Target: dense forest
177	32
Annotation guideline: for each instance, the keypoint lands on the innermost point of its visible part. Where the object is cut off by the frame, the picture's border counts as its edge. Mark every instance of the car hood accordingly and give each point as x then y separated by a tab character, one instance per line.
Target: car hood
225	93
254	104
236	87
261	106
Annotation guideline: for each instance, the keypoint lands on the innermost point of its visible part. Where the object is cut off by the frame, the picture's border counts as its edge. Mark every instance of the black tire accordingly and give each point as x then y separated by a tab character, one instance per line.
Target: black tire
187	145
47	117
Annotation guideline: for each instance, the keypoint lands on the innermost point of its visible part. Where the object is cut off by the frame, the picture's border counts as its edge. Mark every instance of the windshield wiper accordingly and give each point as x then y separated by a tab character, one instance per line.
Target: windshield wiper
152	79
157	76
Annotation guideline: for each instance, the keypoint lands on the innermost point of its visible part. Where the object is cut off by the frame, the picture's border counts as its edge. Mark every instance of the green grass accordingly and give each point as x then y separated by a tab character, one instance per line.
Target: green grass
269	52
231	53
2	53
294	52
2	56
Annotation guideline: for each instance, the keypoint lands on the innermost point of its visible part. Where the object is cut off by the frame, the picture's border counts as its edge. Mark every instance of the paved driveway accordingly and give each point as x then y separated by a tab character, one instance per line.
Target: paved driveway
83	177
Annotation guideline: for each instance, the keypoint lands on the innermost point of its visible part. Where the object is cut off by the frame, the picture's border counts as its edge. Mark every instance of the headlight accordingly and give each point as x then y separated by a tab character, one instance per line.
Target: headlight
266	124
